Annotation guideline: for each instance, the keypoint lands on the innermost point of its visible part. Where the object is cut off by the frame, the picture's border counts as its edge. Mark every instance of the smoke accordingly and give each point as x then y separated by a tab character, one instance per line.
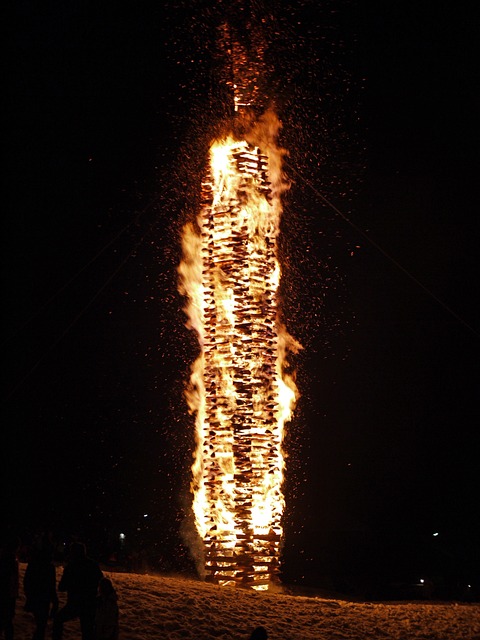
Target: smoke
195	544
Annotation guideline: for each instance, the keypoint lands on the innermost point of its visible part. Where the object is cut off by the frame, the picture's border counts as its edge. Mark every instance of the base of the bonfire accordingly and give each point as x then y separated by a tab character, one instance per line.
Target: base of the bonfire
248	570
244	581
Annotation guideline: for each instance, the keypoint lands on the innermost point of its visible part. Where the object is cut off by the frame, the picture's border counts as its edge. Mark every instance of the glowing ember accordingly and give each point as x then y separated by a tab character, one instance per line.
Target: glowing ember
241	398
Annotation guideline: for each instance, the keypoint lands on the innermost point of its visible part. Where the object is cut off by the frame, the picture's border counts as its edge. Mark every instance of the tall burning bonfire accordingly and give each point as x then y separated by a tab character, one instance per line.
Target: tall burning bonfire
239	391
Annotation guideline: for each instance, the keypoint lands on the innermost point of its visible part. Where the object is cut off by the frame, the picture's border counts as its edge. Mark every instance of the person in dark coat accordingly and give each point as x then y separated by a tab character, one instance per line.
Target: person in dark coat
106	618
39	585
9	578
80	580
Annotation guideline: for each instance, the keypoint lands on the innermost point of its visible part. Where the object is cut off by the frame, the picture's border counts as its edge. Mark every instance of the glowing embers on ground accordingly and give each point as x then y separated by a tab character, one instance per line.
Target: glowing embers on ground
230	273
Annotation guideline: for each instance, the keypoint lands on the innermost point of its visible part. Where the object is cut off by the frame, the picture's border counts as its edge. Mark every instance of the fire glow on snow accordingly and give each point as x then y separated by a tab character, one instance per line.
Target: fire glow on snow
174	608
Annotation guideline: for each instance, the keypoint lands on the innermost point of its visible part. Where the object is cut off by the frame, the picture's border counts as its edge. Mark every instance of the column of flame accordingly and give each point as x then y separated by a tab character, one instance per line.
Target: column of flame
230	274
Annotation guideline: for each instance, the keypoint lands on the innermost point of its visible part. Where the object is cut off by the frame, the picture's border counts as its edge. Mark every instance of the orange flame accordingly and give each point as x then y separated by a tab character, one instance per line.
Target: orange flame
238	391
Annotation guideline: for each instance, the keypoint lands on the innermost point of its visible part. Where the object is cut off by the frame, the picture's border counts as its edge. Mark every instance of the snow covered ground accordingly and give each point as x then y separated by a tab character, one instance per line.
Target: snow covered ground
176	608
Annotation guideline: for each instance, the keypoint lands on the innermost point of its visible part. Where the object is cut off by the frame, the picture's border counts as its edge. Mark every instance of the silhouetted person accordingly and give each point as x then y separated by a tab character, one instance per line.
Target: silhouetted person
39	585
260	633
106	617
9	578
80	580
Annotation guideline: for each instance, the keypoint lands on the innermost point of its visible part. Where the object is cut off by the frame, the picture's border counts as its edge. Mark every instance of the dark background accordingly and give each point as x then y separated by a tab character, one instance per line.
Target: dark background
111	110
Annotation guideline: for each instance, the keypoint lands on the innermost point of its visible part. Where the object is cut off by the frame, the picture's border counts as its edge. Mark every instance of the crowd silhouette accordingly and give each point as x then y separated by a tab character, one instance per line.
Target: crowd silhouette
40	588
80	580
9	584
90	596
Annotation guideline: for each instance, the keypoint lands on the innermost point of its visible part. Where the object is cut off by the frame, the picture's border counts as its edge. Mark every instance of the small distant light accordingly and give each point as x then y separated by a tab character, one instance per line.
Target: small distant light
469	586
435	534
145	515
122	536
422	580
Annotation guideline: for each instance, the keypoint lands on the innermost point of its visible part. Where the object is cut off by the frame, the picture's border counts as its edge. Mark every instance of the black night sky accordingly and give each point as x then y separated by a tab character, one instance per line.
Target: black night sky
110	112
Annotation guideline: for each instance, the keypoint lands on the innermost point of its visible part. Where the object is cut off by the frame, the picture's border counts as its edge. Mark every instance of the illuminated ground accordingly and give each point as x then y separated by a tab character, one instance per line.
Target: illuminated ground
159	607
